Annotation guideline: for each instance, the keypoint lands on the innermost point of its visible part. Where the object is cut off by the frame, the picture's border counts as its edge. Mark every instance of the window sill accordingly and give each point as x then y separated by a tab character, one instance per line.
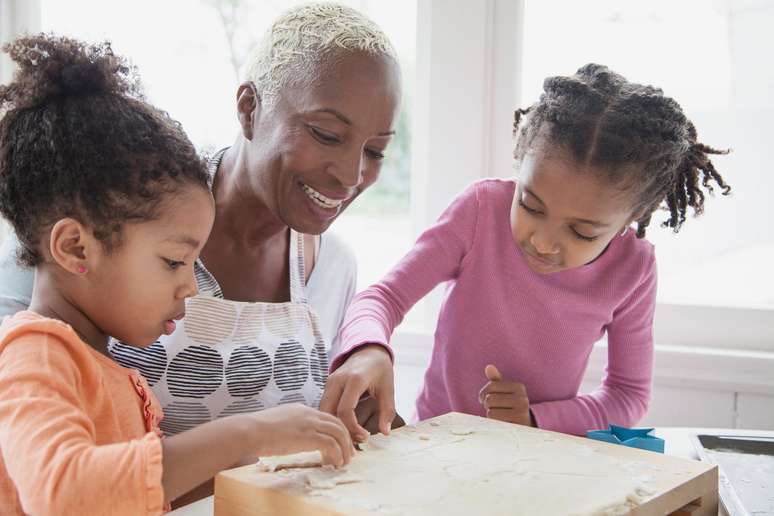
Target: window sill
712	368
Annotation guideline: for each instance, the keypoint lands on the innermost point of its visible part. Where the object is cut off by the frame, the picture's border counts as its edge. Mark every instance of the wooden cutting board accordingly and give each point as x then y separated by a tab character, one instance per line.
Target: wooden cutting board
458	464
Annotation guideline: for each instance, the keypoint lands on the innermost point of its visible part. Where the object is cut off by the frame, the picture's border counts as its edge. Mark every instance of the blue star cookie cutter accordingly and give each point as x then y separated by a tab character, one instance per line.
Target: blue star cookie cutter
633	437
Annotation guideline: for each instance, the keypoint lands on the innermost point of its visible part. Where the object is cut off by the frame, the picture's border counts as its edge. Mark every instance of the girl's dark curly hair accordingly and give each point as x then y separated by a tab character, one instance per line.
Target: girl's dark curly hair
641	140
78	140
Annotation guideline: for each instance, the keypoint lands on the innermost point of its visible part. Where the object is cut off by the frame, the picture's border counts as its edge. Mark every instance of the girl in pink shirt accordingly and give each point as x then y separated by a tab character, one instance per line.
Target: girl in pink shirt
540	269
111	205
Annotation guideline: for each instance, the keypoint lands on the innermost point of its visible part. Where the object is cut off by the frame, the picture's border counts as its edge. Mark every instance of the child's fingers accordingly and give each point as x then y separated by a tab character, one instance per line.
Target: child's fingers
331	395
371	424
339	433
500	414
386	399
483	392
508	401
346	409
506	387
500	400
492	374
364	410
333	426
330	450
509	416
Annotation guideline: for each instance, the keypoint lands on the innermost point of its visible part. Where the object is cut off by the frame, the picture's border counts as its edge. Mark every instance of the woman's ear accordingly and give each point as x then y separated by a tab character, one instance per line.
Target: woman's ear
248	103
72	246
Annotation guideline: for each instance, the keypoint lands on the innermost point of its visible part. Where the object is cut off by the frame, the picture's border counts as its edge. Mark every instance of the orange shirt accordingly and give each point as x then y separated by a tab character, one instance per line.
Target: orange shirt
78	433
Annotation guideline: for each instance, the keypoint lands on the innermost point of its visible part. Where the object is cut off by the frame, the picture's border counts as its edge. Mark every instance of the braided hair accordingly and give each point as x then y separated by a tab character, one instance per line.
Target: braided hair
637	137
78	140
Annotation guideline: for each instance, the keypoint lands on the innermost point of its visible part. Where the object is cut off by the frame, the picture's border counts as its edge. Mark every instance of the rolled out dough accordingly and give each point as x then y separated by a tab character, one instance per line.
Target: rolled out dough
459	465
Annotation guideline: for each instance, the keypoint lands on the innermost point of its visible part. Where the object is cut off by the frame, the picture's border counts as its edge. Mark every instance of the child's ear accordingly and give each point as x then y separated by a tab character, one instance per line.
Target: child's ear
248	103
72	246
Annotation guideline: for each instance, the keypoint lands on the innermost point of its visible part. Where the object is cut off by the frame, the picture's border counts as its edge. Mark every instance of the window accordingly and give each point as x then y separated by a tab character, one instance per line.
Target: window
191	69
712	57
464	71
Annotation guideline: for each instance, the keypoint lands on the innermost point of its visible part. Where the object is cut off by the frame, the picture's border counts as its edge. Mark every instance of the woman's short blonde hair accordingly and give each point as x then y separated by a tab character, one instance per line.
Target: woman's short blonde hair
301	38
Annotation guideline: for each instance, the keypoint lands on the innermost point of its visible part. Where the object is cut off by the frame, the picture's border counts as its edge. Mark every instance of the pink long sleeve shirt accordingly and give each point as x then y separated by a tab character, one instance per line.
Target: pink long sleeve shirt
537	329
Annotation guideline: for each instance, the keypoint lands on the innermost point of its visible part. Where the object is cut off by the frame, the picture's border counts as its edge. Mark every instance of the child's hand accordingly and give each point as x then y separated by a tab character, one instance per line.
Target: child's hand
504	400
190	458
367	412
367	369
297	428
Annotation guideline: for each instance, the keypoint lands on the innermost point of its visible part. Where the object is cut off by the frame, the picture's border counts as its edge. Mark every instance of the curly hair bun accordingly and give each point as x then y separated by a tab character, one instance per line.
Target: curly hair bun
54	67
77	140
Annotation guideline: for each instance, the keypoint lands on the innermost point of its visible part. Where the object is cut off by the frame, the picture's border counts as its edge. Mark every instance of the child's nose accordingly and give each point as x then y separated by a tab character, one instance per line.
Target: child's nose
189	288
544	243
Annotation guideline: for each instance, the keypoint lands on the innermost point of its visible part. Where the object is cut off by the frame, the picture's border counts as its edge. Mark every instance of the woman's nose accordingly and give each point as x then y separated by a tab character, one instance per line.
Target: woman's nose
349	170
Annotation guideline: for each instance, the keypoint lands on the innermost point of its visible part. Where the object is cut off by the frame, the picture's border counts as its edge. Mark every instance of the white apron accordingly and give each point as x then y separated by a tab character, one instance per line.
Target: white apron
229	357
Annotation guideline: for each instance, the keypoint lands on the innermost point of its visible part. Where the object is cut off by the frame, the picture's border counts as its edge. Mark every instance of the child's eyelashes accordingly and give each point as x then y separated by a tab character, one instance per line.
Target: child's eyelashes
174	264
528	209
584	237
576	234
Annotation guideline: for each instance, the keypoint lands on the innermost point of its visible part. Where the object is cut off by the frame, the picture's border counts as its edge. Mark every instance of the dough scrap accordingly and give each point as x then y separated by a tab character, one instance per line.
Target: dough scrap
328	478
312	459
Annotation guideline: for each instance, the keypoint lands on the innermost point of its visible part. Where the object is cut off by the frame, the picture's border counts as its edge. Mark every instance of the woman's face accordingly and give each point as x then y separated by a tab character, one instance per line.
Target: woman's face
319	143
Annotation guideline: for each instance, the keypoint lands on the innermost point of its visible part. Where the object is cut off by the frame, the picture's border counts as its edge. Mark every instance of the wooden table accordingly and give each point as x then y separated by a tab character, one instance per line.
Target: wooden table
677	443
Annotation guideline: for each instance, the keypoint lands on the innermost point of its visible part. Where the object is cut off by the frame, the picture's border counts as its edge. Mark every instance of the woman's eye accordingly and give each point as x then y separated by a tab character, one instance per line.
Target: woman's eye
324	136
529	210
584	237
173	264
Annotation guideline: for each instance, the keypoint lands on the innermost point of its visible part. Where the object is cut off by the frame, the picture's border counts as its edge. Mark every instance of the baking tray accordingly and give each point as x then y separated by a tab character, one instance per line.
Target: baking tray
746	471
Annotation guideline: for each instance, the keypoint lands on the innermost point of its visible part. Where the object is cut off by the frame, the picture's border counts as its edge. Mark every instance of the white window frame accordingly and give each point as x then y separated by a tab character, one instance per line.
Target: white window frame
468	59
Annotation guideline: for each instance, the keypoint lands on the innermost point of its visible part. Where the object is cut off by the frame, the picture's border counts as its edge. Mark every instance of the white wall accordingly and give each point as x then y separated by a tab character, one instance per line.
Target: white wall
16	17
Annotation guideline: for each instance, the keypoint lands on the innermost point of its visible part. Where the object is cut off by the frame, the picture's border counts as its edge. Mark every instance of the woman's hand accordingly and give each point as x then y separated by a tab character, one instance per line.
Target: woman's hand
367	369
297	428
505	400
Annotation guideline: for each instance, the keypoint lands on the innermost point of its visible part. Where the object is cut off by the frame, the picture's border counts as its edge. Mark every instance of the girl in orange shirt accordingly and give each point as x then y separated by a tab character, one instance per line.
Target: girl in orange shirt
111	205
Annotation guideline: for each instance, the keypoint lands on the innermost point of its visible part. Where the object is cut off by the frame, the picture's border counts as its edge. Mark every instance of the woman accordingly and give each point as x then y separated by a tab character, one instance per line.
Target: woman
315	116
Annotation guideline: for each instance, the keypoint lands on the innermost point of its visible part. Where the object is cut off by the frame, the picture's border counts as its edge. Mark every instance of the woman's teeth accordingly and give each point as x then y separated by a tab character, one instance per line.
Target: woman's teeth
320	199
